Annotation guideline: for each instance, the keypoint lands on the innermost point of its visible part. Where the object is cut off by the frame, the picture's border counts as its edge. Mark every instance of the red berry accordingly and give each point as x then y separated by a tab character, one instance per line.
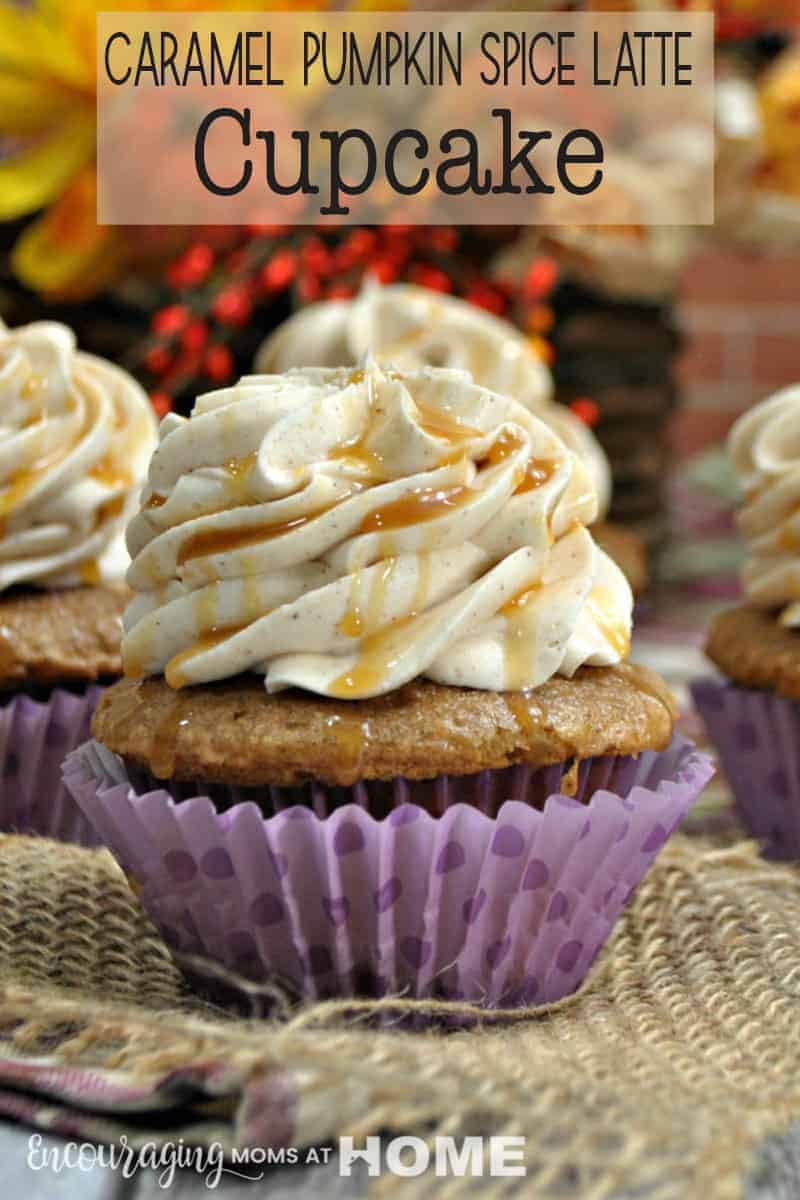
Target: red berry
540	319
483	295
195	335
278	273
586	410
161	402
383	269
309	288
218	363
171	319
233	305
430	277
443	238
362	242
316	256
339	291
192	267
541	277
157	360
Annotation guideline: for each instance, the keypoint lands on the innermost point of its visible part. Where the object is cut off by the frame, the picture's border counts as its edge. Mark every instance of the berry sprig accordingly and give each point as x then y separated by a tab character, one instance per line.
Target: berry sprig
223	294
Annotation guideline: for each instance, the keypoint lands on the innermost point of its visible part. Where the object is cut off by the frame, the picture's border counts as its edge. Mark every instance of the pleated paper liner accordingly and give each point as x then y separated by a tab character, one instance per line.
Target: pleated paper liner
35	738
757	737
503	910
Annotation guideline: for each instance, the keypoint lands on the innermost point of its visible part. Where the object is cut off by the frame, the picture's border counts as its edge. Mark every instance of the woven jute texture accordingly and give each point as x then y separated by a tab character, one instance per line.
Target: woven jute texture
659	1079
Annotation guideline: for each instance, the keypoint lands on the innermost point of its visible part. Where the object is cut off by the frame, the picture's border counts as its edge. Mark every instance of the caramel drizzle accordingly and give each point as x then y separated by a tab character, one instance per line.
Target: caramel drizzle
616	634
415	508
223	541
377	655
175	673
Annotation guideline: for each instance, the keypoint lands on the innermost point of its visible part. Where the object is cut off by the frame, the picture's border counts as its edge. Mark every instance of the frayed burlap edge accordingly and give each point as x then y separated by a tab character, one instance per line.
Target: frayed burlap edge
661	1077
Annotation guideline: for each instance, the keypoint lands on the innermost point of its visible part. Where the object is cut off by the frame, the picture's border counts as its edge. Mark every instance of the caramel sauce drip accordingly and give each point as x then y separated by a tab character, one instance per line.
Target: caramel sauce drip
351	737
24	482
110	474
240	468
525	709
377	654
358	456
359	618
537	471
520	600
439	424
174	671
163	750
417	507
222	541
616	634
90	573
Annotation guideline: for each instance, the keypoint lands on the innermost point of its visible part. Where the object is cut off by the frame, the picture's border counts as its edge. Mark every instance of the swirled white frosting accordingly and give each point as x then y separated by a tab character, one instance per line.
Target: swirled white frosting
765	448
346	531
410	327
76	435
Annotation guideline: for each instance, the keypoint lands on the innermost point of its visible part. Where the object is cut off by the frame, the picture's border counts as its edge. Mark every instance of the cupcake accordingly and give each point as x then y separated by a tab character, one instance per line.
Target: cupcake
753	714
76	436
377	732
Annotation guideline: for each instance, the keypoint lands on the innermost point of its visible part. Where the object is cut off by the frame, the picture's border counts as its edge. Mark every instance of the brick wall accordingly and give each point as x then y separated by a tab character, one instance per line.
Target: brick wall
741	317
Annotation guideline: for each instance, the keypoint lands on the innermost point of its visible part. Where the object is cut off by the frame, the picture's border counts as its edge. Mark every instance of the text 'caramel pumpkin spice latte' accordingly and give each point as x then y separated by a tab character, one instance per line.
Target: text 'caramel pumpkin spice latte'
76	436
378	732
753	715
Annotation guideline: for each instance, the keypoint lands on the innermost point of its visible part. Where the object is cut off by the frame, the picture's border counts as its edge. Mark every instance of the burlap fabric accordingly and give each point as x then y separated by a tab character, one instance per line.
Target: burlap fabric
660	1078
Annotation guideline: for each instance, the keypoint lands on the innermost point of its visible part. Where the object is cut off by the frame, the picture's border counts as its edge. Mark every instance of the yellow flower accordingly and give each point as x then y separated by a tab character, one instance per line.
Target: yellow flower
47	136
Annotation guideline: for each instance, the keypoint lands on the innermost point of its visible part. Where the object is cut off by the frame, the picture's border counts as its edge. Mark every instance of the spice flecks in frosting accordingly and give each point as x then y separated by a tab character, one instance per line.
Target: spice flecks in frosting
76	434
765	448
411	327
275	549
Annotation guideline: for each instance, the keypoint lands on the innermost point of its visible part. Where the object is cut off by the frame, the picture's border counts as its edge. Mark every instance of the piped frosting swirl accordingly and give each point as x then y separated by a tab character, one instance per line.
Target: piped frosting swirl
410	327
346	531
76	435
765	448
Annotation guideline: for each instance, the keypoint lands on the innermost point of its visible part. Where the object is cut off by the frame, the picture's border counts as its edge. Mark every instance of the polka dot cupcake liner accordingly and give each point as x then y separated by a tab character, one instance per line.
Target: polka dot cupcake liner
501	910
35	737
757	737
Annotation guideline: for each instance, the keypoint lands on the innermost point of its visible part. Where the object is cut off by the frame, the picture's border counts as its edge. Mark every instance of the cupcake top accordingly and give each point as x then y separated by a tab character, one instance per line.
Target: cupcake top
76	435
411	327
765	448
347	531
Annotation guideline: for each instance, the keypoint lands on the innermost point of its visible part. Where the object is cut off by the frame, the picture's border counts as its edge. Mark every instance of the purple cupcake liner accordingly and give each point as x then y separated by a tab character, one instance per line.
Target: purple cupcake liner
35	738
757	737
504	911
484	790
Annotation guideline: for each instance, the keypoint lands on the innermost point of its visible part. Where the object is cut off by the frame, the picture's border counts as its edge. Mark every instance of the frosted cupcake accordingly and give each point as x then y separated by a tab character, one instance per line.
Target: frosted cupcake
754	717
76	435
378	732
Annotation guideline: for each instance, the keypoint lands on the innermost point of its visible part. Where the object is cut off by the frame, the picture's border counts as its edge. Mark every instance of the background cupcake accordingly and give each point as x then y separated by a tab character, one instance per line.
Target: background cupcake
755	719
76	434
448	780
412	327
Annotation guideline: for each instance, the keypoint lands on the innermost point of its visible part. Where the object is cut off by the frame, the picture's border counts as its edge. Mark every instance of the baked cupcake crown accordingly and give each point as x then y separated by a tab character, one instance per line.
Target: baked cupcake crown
347	531
76	435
